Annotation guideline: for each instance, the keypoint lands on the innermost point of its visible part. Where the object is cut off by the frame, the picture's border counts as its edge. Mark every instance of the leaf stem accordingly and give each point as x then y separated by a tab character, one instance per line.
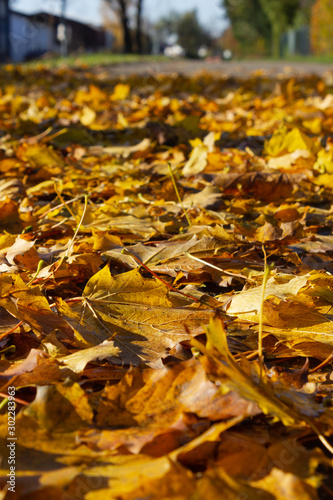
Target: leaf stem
178	195
40	266
70	247
217	268
125	250
261	314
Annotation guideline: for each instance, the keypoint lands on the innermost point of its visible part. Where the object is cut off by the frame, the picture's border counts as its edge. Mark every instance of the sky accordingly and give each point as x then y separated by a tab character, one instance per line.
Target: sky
209	12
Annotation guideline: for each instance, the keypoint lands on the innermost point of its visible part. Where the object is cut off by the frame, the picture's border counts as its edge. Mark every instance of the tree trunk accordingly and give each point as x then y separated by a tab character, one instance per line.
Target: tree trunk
128	46
276	32
139	27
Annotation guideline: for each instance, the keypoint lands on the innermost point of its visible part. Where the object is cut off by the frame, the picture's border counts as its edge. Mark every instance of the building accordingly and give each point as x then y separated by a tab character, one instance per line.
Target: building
4	31
31	36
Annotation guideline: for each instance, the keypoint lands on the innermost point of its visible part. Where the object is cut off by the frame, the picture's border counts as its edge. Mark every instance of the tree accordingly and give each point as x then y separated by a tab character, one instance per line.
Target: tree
112	24
281	14
122	10
188	30
304	14
191	35
139	26
321	27
250	25
166	26
120	7
253	20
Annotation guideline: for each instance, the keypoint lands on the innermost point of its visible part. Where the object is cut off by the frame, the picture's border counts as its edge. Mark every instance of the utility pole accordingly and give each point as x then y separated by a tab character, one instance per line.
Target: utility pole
4	31
62	33
139	27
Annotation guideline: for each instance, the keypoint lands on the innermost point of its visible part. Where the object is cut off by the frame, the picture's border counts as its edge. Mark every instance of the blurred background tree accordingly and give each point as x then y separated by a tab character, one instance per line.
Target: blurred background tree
281	15
138	31
321	27
191	35
228	41
259	24
132	42
166	26
185	29
250	25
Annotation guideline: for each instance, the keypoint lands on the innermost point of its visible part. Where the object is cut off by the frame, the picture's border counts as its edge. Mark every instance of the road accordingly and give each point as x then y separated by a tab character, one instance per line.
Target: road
240	69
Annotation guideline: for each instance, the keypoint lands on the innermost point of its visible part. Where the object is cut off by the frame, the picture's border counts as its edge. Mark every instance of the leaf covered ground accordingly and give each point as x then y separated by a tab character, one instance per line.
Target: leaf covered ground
139	219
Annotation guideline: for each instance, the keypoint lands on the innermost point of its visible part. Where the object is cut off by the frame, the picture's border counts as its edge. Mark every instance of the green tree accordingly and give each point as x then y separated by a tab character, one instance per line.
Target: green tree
265	20
165	27
191	35
304	14
250	25
281	15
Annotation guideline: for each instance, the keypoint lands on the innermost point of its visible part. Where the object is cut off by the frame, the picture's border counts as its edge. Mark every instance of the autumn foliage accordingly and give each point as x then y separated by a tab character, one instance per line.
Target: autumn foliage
321	27
139	221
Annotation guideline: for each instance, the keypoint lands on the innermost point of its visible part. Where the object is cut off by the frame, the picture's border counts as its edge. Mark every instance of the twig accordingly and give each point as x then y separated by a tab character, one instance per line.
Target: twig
322	364
8	332
17	400
60	206
43	136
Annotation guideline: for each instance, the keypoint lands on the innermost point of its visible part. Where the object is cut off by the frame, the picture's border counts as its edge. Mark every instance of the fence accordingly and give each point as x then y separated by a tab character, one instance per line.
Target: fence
295	42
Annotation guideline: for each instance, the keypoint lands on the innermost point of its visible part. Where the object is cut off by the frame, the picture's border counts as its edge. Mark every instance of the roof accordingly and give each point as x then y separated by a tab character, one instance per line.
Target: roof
39	16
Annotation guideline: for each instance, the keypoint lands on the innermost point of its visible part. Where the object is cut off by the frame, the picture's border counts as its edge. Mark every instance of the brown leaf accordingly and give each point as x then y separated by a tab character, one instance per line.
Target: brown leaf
29	305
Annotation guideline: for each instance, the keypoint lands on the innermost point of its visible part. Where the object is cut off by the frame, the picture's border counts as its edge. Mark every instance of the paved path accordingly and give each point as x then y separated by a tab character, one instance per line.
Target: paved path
241	69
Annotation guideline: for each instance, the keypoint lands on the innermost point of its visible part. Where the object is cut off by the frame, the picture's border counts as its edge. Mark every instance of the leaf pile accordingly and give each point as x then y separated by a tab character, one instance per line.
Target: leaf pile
130	296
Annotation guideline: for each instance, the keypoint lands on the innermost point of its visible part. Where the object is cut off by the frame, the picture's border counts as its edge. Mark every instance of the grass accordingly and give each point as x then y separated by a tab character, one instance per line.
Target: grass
109	59
94	59
311	58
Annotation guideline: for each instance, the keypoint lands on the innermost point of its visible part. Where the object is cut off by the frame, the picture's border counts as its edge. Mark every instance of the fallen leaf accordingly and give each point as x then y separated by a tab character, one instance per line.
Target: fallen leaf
78	360
28	304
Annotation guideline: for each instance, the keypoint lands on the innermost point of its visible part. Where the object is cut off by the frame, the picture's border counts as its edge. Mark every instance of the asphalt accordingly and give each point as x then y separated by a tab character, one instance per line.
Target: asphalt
238	69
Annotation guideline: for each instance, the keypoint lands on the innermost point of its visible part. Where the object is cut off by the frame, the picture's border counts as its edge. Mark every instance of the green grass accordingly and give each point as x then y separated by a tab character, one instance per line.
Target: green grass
96	59
306	59
312	58
108	58
325	59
